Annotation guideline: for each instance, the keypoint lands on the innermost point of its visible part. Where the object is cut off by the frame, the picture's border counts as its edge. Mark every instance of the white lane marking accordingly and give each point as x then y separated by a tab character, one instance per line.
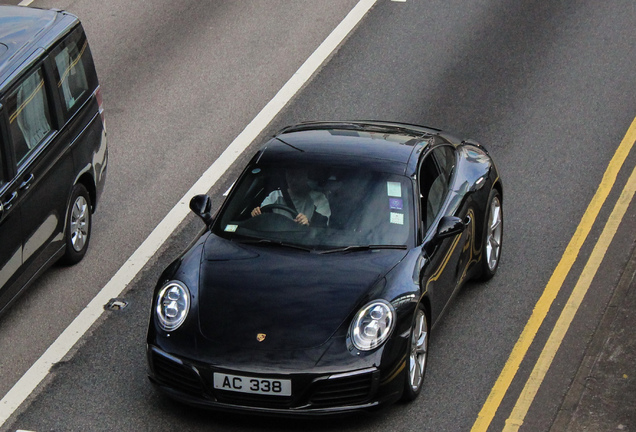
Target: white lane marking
25	2
82	323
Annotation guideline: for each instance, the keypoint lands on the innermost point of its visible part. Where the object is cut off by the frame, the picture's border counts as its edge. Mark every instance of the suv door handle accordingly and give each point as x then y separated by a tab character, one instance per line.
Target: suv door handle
9	203
26	184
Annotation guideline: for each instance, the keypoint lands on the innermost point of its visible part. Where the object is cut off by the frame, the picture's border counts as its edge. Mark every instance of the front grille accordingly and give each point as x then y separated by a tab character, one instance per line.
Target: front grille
176	375
345	390
255	400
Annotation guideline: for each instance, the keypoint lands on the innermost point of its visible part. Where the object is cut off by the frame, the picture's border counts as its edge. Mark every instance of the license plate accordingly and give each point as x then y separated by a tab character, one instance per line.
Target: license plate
253	385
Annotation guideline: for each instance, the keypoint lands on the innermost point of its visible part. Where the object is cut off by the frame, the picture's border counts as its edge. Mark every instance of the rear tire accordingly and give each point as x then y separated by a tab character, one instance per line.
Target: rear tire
493	236
416	356
78	225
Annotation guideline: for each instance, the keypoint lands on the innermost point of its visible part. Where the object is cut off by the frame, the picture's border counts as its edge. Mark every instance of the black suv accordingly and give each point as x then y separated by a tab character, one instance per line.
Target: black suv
53	151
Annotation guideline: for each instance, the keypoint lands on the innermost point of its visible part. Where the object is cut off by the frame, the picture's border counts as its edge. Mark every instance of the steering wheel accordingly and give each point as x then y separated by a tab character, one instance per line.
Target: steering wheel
270	207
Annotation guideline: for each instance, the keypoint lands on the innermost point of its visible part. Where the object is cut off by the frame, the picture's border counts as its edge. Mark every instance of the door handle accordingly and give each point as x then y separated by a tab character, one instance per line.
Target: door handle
9	203
26	183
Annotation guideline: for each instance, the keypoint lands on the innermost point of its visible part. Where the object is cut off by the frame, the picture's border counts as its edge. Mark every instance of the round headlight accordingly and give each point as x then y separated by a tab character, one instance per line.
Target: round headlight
372	325
173	304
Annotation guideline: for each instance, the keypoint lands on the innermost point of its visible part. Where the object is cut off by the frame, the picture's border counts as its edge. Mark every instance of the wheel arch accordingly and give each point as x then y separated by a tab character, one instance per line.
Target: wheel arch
499	187
426	304
89	183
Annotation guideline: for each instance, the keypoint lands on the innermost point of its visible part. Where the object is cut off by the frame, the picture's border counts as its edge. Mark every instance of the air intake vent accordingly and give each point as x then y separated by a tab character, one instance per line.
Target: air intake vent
255	400
343	391
176	375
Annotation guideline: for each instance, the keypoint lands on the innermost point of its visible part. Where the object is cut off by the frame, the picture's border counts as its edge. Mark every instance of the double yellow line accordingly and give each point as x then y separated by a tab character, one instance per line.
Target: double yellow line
552	289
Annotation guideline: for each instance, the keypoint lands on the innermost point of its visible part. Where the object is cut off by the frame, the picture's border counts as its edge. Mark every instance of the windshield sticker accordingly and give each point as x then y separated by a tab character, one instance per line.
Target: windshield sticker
397	218
256	170
396	204
231	227
394	189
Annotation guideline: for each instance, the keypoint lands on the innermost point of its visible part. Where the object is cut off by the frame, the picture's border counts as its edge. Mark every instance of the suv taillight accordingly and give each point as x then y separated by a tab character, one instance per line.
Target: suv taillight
100	104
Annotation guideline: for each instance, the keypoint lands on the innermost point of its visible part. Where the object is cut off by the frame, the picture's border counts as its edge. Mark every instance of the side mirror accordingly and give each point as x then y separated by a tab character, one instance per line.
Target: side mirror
450	226
201	206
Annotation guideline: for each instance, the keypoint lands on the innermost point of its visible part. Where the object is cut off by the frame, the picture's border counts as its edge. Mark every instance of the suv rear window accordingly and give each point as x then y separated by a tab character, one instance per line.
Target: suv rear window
29	116
70	68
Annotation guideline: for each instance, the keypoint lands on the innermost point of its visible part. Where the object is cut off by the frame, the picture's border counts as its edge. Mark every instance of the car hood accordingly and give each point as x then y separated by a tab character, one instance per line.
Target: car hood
292	299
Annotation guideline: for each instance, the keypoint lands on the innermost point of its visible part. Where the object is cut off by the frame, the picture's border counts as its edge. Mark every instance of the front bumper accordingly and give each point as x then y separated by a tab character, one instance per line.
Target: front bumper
313	394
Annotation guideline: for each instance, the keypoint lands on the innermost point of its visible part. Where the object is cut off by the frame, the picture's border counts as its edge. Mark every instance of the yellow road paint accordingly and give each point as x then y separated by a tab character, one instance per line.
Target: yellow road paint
553	287
567	315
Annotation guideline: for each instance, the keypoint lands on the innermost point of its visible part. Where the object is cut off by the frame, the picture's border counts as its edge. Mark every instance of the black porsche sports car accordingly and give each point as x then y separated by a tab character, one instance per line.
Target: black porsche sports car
314	288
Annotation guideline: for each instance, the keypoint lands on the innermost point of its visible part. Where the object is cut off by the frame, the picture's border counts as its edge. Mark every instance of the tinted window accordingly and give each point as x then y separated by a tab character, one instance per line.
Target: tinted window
433	188
445	156
2	181
70	64
29	116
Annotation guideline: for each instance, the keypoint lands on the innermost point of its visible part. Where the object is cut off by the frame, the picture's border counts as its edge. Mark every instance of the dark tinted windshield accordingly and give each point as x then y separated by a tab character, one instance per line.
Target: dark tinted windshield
319	207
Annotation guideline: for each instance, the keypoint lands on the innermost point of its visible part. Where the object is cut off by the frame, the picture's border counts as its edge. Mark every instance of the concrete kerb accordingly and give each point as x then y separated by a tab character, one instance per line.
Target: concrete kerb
573	405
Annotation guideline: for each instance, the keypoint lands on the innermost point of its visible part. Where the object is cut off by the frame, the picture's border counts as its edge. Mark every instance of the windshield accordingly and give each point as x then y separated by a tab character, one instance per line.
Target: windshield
319	207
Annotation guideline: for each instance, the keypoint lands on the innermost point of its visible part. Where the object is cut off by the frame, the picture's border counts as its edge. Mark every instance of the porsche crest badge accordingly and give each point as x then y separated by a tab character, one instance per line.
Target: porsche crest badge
261	337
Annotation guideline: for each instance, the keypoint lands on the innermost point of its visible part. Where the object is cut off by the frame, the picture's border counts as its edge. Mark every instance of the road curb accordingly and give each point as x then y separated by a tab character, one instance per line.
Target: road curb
581	385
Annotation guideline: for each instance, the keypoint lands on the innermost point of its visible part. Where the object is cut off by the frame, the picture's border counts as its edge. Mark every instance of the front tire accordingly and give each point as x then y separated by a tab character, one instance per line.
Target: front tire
493	236
78	225
417	356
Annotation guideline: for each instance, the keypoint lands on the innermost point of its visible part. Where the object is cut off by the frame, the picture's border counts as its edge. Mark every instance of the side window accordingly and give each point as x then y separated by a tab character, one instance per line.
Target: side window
71	64
2	158
434	175
445	157
29	116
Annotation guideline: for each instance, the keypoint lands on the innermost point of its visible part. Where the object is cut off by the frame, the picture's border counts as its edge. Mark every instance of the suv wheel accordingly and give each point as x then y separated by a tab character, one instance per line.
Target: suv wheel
78	225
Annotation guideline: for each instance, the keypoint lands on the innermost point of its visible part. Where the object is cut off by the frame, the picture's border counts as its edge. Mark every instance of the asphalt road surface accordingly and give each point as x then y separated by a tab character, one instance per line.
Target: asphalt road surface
547	87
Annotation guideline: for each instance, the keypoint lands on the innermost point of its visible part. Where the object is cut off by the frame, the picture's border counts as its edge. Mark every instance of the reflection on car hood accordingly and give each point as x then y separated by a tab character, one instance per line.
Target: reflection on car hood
218	249
296	299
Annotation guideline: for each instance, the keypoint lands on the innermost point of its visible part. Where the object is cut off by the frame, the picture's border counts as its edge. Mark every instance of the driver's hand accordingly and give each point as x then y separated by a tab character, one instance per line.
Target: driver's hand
301	219
256	211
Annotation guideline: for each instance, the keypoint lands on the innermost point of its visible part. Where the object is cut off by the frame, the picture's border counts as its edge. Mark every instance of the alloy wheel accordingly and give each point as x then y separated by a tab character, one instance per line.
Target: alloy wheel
418	351
495	230
79	223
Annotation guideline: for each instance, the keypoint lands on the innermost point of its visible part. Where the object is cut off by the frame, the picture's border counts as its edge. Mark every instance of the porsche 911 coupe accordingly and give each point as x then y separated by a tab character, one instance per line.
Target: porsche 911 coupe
314	288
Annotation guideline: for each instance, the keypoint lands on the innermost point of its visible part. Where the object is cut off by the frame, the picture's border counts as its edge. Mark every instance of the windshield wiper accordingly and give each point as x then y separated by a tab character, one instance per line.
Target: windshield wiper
274	243
363	248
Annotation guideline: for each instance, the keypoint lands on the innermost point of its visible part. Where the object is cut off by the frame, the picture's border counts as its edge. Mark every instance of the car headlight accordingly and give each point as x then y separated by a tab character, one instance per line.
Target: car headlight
173	304
372	325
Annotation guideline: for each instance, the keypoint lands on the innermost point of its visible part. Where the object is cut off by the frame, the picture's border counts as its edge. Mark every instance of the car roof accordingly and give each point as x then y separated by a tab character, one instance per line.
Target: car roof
23	30
388	145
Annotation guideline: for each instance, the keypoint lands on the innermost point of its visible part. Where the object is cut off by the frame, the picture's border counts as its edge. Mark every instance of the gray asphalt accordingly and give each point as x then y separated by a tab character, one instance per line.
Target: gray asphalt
546	86
180	81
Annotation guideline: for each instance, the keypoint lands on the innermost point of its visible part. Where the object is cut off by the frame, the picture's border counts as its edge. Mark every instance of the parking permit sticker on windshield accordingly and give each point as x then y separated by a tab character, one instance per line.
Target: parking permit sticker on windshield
394	189
397	218
231	227
396	204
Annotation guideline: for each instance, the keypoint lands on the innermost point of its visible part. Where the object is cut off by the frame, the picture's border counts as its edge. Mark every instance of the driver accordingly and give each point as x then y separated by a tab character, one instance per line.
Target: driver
312	206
